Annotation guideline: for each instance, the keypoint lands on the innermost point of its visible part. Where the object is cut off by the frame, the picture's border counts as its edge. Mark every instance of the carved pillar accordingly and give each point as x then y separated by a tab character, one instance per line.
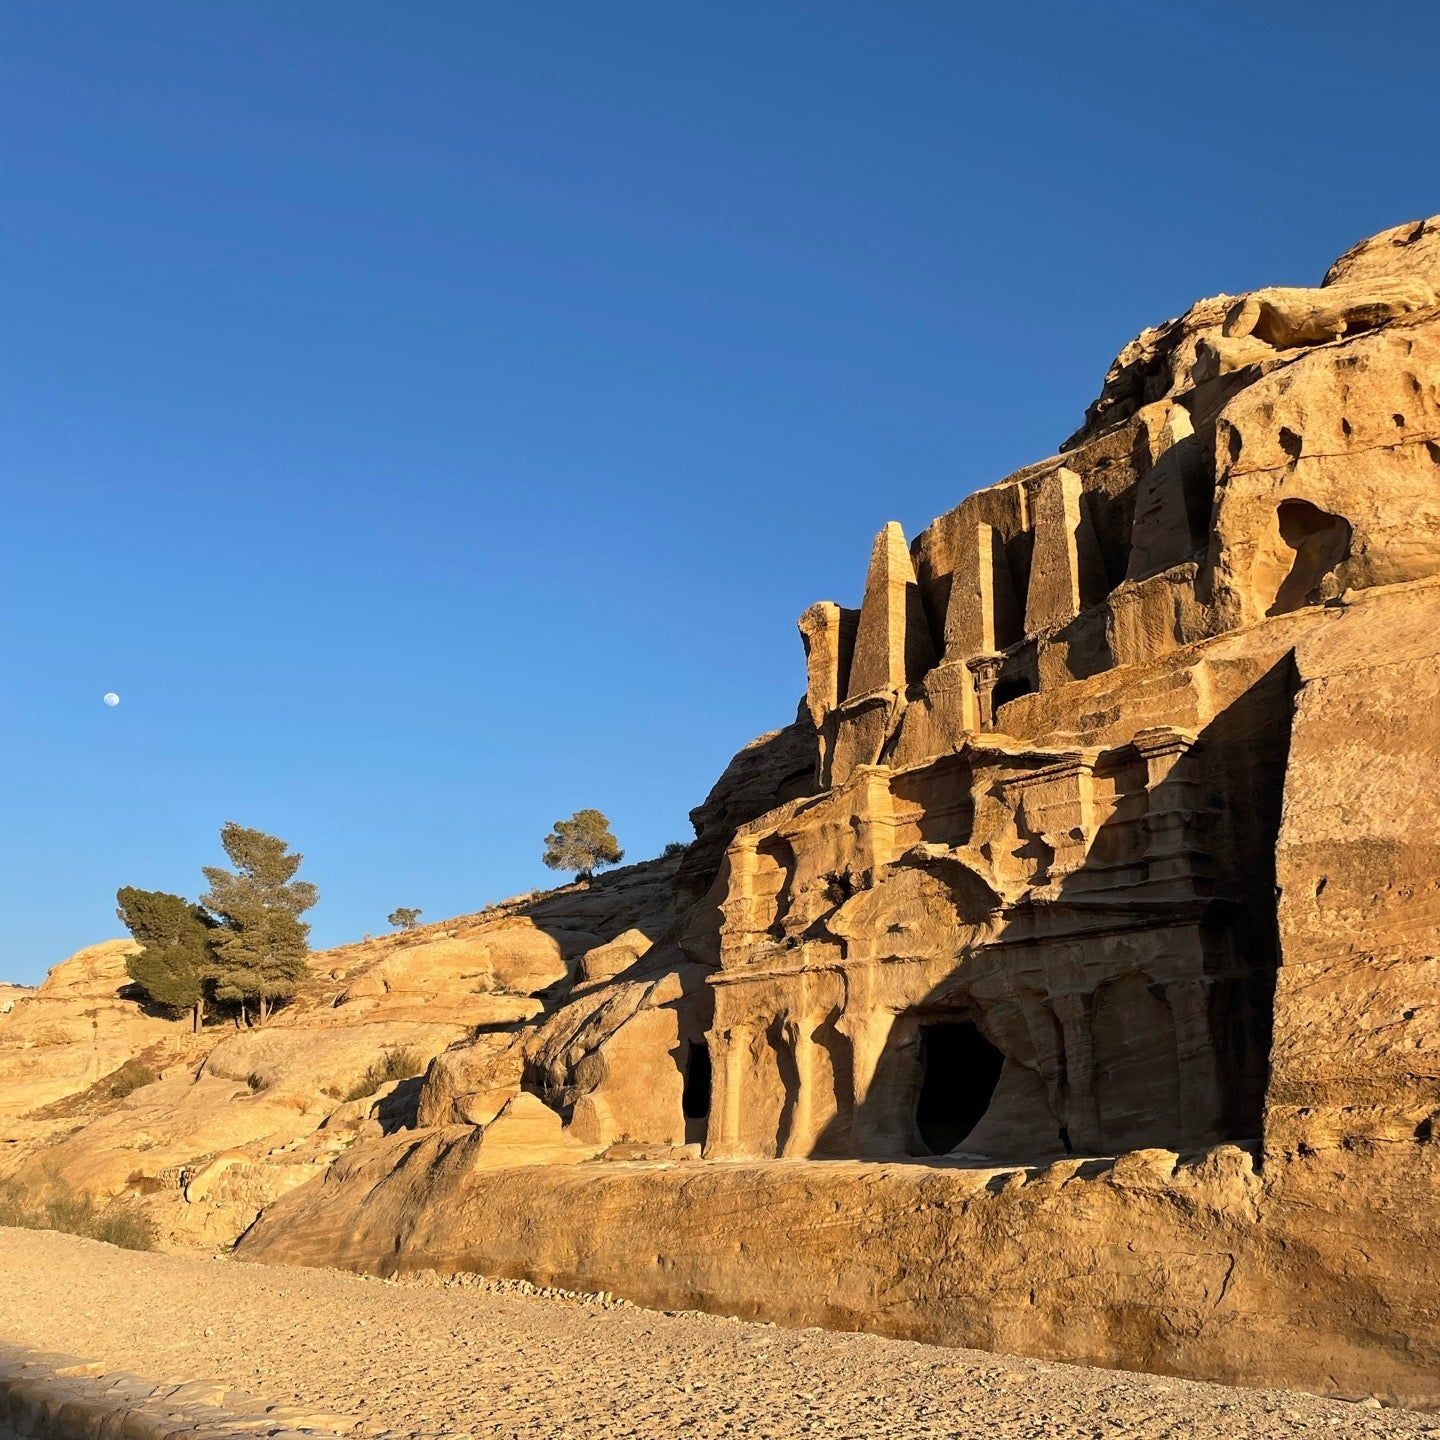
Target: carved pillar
798	1033
985	669
827	631
737	929
1066	573
982	615
892	636
867	1029
1082	1118
867	1034
1175	810
1042	1025
1201	1103
1161	533
874	818
729	1054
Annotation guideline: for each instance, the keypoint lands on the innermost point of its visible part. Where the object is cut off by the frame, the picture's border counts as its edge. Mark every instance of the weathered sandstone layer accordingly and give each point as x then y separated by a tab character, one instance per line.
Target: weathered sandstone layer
1062	980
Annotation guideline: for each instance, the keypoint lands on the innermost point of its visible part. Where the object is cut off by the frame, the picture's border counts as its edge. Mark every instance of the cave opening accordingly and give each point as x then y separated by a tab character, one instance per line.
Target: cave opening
1011	689
695	1092
959	1070
1318	541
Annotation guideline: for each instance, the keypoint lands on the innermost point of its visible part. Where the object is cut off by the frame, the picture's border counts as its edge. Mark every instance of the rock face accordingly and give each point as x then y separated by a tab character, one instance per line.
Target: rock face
1028	909
1084	923
60	1038
206	1130
1108	899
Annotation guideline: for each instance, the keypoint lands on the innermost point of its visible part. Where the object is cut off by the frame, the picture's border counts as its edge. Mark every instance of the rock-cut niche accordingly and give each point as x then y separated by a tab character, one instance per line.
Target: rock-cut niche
959	1070
695	1090
1307	544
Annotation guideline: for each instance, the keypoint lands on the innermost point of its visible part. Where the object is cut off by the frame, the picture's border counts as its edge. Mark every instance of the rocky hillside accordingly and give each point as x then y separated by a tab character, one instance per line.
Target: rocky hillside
1082	925
1081	1000
448	1022
70	1032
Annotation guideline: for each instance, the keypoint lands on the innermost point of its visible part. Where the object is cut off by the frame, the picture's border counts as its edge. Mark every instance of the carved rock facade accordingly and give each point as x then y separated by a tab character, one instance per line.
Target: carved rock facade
1029	910
1086	923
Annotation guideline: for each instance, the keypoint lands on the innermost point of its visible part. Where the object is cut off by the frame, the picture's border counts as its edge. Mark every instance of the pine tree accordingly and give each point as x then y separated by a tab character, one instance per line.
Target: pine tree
404	917
582	843
262	942
176	962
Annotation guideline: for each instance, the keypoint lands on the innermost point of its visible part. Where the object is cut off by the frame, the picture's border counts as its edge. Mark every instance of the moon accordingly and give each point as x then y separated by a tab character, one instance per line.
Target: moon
111	699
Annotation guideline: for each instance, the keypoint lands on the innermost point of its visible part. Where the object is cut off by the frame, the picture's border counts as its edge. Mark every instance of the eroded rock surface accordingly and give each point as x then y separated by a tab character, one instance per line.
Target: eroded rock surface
1064	978
208	1129
67	1033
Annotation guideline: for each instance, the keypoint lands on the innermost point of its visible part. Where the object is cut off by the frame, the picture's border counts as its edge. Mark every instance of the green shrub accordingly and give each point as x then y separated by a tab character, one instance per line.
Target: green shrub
398	1064
55	1206
13	1213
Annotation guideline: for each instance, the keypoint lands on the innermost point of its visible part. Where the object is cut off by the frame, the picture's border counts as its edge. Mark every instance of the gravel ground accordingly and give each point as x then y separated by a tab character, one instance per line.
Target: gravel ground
493	1358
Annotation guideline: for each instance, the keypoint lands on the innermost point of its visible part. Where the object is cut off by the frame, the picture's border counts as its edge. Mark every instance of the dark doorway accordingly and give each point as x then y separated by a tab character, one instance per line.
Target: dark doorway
695	1096
959	1069
1008	690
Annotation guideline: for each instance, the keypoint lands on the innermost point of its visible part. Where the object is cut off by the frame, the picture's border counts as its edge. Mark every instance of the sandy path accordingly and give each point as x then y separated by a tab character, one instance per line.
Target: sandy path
481	1359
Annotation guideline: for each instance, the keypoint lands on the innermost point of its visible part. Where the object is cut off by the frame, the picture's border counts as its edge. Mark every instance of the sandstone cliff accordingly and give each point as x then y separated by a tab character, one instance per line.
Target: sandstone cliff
1083	925
218	1124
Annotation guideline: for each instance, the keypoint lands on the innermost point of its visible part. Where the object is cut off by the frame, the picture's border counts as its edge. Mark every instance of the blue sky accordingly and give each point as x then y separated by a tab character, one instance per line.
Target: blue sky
431	418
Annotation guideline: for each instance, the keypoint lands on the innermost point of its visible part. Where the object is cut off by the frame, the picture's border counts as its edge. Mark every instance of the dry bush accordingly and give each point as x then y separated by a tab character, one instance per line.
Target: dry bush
54	1205
129	1077
397	1064
119	1083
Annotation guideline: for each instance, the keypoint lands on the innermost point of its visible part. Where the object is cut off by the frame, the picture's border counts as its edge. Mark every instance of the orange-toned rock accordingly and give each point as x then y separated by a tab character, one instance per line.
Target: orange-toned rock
1063	979
1021	912
75	1028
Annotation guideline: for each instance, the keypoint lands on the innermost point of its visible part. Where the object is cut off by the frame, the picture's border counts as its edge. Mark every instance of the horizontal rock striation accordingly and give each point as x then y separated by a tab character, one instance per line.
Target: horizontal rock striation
1064	978
1109	906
